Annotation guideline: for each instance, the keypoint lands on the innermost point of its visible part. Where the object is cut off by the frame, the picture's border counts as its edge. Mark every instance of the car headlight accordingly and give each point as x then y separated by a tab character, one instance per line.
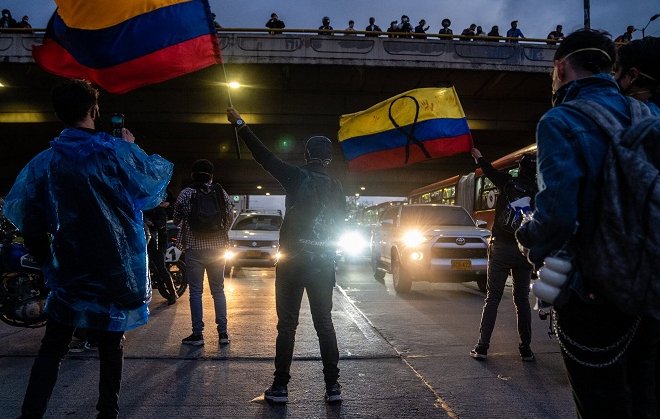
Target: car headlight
413	238
352	243
229	255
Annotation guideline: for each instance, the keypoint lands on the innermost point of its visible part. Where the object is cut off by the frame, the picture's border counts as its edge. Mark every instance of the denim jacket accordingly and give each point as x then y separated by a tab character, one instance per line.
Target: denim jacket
571	153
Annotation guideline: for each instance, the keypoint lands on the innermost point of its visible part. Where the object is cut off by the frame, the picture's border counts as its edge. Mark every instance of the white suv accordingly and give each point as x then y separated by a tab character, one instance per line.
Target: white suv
429	242
254	239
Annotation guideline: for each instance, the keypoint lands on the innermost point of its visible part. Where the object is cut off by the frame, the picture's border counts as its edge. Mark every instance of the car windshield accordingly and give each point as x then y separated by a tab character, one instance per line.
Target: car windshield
258	222
430	215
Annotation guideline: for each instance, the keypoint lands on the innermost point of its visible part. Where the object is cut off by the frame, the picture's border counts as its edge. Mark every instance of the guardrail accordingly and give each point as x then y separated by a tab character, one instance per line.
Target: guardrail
306	46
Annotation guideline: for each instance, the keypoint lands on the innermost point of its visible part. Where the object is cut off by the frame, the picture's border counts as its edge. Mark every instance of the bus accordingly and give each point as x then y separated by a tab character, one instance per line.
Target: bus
473	191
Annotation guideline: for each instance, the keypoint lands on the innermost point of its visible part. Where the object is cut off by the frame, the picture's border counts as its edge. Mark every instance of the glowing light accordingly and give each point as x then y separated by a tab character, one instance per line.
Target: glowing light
413	238
234	85
362	188
259	187
2	85
416	256
229	255
267	193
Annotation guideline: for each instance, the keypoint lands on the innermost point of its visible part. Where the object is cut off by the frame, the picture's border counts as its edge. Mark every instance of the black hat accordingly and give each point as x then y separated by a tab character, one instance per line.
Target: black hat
203	166
446	23
319	149
514	22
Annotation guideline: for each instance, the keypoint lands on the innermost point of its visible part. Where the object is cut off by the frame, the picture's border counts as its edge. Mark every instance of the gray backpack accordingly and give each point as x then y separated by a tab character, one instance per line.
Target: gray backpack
622	261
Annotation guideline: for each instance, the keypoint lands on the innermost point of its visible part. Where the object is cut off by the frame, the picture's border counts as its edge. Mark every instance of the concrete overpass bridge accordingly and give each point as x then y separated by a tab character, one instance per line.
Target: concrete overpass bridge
294	85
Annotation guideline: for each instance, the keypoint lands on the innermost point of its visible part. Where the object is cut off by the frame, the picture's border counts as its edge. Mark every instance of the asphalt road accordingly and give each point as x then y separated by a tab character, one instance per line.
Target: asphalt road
401	357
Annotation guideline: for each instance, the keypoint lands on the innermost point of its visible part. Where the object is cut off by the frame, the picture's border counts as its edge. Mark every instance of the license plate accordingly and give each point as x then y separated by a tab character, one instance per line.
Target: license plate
253	253
461	265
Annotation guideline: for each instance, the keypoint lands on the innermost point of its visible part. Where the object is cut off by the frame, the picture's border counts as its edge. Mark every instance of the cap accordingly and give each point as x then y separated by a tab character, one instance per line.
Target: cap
514	21
318	148
203	166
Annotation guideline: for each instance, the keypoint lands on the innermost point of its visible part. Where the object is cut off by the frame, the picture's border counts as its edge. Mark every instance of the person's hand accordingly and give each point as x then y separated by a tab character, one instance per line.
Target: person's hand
164	204
127	136
233	115
476	154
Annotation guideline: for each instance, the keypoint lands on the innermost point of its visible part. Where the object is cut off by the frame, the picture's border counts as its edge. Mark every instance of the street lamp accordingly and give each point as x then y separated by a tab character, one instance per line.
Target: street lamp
654	17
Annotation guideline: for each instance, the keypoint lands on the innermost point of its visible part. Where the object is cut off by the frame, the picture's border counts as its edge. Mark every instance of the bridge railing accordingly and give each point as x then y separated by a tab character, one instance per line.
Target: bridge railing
306	46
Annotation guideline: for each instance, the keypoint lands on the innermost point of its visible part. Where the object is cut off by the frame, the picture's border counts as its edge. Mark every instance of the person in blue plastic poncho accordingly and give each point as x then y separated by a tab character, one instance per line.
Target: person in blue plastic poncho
79	206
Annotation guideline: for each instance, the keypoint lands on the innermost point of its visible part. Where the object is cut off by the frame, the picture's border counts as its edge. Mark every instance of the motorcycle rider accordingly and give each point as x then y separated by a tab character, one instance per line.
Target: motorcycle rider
156	221
79	205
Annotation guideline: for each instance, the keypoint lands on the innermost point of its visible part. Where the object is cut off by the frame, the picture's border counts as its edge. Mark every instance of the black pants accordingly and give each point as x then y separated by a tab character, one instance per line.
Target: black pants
316	275
504	257
630	387
54	346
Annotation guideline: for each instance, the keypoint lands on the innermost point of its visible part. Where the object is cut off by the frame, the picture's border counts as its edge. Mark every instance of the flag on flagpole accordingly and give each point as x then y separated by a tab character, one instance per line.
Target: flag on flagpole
125	44
417	125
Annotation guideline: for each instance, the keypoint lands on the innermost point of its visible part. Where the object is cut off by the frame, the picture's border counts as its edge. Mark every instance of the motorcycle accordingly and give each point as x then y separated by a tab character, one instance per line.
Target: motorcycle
175	264
22	288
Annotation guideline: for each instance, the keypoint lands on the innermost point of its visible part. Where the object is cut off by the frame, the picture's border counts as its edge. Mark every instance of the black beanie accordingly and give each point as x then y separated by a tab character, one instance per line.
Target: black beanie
202	170
318	148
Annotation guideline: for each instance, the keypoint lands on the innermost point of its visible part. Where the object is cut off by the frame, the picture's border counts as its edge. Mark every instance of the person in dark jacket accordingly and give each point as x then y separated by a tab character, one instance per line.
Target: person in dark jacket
325	28
307	264
613	370
637	71
420	30
445	30
156	221
275	23
372	27
504	257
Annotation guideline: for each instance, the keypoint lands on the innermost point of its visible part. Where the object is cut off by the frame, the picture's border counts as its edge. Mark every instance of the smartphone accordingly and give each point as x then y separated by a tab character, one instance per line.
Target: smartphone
117	121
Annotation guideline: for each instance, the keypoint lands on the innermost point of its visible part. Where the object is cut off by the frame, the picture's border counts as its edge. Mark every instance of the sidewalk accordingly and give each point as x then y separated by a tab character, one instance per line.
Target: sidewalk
163	378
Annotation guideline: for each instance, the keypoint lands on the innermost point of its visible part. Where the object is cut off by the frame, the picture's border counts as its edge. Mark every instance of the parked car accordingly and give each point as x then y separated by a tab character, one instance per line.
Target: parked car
254	239
429	242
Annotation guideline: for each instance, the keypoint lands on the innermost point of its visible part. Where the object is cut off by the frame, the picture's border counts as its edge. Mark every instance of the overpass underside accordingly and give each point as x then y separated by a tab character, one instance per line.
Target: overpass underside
293	86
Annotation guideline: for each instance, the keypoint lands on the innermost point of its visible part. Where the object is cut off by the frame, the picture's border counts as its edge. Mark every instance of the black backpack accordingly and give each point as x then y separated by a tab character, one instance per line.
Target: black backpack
313	221
622	260
519	198
208	211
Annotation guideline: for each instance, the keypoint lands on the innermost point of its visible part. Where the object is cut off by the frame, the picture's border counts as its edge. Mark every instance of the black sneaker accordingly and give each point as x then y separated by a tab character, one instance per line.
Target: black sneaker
224	338
79	347
479	353
526	354
277	394
196	339
333	393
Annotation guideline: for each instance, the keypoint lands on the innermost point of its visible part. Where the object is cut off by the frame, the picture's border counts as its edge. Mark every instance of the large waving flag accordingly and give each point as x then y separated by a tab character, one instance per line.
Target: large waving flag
414	126
125	44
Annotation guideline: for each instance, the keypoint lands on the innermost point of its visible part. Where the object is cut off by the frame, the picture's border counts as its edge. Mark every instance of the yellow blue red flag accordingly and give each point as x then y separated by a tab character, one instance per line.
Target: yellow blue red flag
417	125
125	44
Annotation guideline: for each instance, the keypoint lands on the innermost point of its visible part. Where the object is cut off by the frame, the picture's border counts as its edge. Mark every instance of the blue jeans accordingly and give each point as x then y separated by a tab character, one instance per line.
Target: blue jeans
316	275
213	262
504	256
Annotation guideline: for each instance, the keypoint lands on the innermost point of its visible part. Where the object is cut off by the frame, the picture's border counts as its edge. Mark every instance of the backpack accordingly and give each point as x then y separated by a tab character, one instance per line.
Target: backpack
519	197
314	218
208	209
622	260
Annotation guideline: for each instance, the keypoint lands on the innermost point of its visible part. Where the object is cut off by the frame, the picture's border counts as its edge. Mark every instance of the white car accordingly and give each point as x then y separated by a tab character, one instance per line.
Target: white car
254	239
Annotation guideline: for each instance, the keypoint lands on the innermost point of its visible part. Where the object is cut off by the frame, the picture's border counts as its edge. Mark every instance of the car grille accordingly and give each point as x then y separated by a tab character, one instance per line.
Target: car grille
260	243
453	240
458	253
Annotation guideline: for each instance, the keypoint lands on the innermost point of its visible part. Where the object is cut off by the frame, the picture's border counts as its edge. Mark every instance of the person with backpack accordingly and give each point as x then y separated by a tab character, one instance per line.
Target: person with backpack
516	196
611	349
204	214
315	206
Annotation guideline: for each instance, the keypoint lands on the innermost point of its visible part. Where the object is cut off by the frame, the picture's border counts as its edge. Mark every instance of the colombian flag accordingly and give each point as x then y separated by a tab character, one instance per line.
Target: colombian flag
414	126
125	44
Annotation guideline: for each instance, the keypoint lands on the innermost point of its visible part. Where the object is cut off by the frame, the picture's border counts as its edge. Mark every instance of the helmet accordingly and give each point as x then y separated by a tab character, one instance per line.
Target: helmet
318	149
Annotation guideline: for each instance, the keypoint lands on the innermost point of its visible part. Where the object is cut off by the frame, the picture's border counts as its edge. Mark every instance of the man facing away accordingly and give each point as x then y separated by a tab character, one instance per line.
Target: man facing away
79	205
308	257
504	257
204	246
608	379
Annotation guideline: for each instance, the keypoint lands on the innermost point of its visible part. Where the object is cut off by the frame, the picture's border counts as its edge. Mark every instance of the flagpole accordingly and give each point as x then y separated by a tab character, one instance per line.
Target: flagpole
231	105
